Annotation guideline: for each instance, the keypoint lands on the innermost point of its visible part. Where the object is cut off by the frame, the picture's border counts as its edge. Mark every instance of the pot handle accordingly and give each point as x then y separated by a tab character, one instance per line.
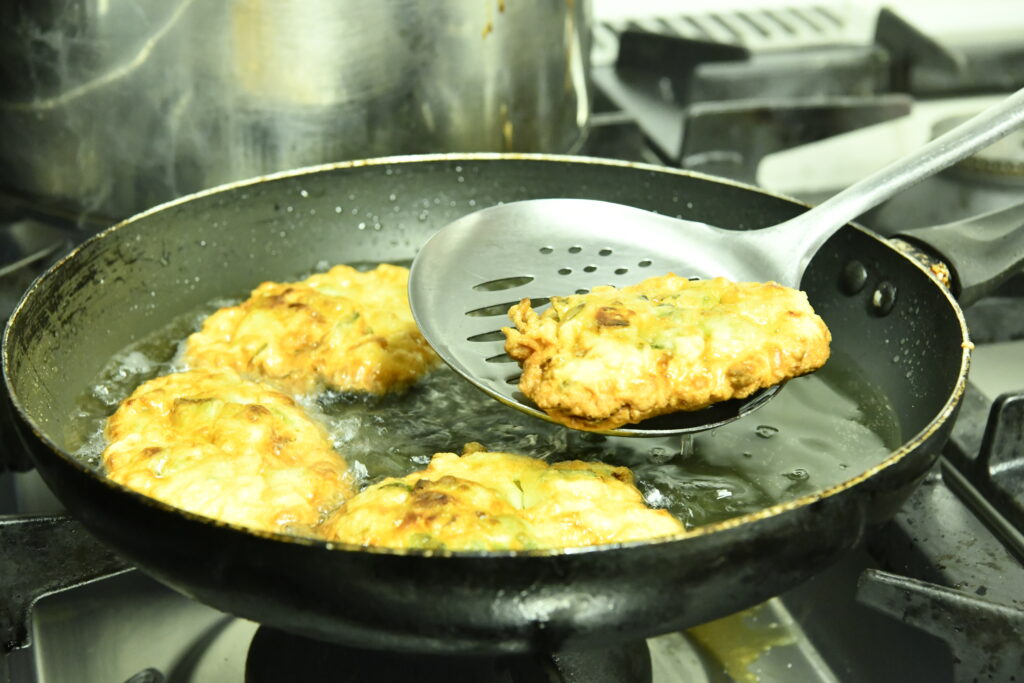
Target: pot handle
982	252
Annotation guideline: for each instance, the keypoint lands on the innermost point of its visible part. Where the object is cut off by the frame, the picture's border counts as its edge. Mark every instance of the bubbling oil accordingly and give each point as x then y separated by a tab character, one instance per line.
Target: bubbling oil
821	430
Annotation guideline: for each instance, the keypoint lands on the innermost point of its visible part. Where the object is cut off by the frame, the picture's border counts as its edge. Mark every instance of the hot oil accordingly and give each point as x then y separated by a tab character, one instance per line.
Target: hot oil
821	430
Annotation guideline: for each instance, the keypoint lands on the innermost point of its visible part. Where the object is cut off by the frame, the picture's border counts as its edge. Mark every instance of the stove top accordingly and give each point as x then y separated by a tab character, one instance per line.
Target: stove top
937	594
152	634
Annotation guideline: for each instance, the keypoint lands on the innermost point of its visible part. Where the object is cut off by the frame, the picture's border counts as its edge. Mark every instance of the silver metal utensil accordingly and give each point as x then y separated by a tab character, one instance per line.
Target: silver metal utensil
466	277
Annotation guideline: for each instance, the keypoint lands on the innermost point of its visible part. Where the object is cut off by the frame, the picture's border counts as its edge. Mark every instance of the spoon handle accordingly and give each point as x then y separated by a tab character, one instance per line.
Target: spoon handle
808	231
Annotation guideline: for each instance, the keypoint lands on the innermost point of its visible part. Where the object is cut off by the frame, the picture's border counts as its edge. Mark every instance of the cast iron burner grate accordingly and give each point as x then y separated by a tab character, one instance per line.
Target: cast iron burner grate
953	557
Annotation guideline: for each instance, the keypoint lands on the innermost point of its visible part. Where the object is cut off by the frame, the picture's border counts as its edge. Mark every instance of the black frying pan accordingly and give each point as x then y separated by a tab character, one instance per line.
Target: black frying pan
885	309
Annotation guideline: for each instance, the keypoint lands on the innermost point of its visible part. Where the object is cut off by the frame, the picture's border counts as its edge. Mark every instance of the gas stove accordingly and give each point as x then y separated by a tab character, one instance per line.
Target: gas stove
755	93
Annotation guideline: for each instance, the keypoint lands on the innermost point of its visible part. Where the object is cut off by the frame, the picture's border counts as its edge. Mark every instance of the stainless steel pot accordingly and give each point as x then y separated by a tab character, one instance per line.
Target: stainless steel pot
108	108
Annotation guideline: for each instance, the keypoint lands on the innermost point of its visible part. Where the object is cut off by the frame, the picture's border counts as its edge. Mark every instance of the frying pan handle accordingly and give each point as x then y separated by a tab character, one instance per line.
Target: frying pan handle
983	252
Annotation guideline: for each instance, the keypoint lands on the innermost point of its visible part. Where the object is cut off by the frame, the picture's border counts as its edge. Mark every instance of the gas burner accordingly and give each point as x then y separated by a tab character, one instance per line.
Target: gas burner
278	656
990	180
1001	163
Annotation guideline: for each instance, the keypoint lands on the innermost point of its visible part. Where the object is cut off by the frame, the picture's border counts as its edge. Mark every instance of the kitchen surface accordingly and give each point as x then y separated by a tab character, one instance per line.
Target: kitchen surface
800	99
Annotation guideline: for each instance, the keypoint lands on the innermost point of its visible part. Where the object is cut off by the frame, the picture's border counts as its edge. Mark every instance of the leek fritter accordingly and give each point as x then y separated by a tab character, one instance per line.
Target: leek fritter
618	356
500	501
212	443
343	330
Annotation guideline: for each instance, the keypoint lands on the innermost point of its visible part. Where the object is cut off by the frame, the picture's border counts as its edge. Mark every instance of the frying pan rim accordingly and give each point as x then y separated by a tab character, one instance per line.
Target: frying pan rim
750	518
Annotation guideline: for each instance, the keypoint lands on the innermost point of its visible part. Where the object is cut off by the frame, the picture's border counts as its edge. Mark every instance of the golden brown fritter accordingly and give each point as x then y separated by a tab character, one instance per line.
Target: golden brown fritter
212	443
500	501
343	330
618	356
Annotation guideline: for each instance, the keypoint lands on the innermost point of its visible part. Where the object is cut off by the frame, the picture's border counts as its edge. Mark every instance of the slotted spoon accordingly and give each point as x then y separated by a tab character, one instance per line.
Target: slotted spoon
465	278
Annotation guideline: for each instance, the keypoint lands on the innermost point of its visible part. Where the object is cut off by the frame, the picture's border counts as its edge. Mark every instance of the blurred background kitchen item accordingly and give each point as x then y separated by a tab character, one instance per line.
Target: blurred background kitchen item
108	108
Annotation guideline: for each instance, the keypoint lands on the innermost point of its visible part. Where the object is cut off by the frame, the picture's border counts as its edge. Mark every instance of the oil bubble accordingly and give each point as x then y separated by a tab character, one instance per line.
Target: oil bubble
799	474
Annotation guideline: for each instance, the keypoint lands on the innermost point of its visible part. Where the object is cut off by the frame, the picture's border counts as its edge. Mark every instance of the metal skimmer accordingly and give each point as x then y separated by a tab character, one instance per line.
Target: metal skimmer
468	274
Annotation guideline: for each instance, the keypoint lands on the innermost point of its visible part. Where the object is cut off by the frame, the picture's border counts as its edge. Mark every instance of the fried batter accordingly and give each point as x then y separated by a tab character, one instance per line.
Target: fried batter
212	443
343	330
618	356
500	501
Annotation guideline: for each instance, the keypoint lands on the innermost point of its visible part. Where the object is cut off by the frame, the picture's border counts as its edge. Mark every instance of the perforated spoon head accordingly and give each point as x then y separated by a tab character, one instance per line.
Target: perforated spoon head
467	276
